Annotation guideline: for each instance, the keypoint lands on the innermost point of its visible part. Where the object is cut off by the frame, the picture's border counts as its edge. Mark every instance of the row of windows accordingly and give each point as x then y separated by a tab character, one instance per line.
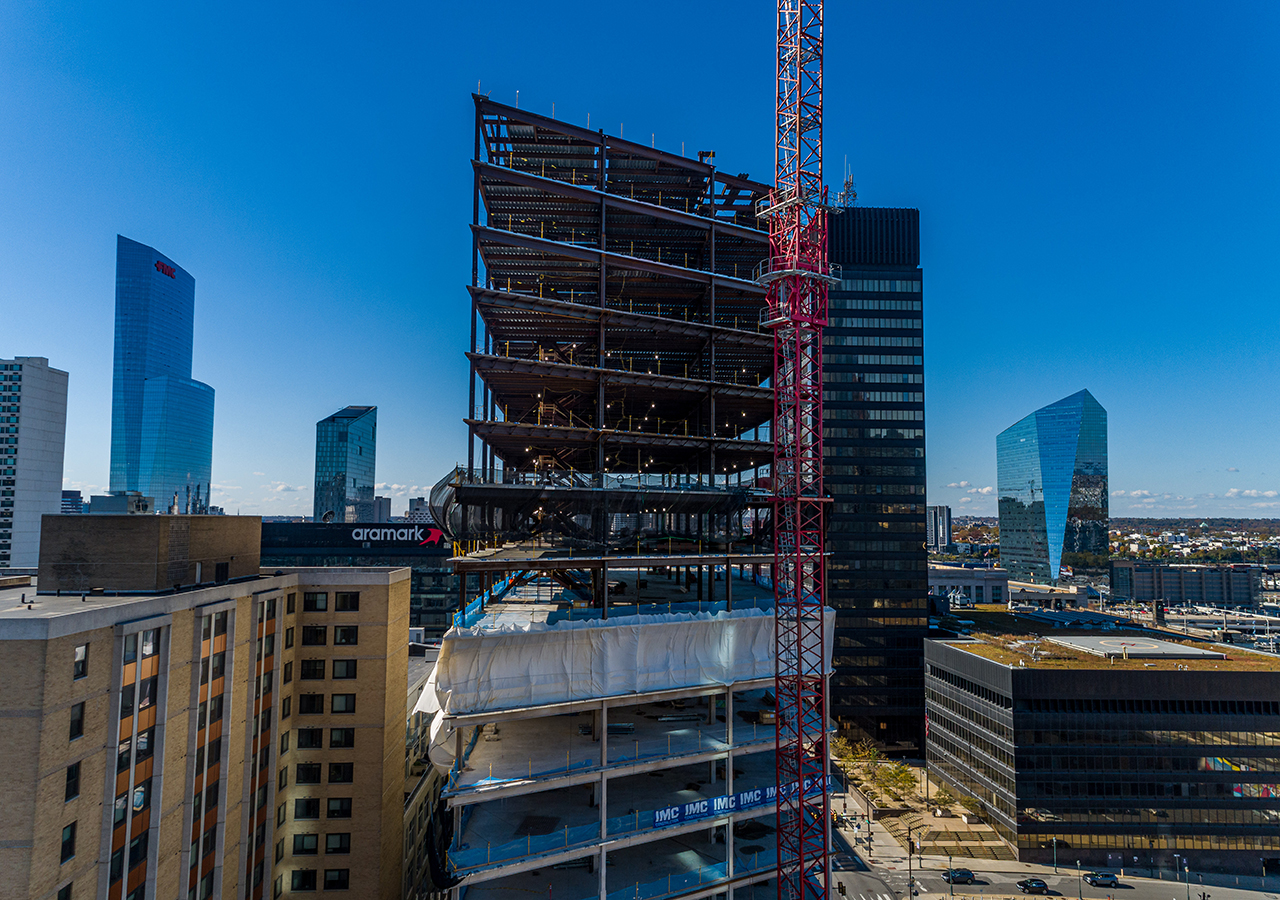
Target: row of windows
306	808
871	340
305	880
313	705
862	359
343	601
970	687
1174	790
150	644
309	773
903	490
875	396
830	377
863	322
878	284
1151	706
874	303
318	635
1135	737
1233	767
309	844
955	707
876	471
313	670
975	760
313	739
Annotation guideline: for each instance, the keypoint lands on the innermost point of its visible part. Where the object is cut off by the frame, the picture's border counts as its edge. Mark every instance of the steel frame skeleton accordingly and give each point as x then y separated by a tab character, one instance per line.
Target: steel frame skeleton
797	275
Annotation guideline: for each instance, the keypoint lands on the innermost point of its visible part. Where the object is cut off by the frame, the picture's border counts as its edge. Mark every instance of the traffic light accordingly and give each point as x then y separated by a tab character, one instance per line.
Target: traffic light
840	888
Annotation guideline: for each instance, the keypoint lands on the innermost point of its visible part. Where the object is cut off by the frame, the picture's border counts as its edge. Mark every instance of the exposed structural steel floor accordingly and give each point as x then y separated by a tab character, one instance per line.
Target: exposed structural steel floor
619	319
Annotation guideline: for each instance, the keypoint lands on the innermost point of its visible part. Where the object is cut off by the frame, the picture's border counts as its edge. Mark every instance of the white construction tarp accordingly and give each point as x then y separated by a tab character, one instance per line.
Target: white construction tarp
533	663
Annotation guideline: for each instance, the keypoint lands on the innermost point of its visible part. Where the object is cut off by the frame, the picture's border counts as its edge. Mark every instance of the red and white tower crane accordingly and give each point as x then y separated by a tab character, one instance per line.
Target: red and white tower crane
797	275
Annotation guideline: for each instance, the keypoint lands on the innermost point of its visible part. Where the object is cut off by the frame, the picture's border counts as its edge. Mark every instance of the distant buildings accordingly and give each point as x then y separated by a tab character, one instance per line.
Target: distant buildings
73	504
382	509
969	584
346	446
1052	487
937	527
418	510
1227	585
161	420
33	427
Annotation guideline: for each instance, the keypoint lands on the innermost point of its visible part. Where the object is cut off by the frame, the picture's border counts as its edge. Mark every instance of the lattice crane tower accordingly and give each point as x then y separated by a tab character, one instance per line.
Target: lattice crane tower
797	276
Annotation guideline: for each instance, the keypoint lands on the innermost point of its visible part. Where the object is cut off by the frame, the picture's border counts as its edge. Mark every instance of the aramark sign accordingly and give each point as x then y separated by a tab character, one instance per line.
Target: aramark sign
415	533
721	806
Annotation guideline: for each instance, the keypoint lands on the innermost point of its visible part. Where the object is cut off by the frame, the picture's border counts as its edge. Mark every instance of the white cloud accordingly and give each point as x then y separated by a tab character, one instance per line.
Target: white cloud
226	487
261	474
959	484
1232	469
966	499
982	490
280	487
1140	494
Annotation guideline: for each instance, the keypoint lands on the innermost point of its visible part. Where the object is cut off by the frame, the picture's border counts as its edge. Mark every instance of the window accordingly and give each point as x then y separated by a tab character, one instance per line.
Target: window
64	892
77	721
140	893
315	602
343	703
344	668
268	646
289	602
280	814
271	607
308	808
336	879
138	849
288	673
341	773
288	638
303	880
219	664
346	635
312	670
147	692
284	742
122	809
310	738
210	842
221	572
337	843
346	601
142	796
80	667
286	707
342	737
307	773
73	782
283	780
215	708
314	635
151	640
68	842
310	704
126	701
305	844
117	866
146	744
279	849
130	647
339	807
124	754
211	796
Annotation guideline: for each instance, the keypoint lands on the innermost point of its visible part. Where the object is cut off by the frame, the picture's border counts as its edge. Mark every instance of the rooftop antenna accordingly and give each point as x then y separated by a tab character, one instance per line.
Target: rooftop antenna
848	195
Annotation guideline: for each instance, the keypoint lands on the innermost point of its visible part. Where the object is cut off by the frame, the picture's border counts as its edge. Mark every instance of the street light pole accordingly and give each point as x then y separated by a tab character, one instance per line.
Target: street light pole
1080	882
1188	880
951	878
911	882
1055	856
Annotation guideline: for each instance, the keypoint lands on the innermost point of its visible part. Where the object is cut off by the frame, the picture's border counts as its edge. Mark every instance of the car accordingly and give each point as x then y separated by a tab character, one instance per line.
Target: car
1101	879
957	876
1033	886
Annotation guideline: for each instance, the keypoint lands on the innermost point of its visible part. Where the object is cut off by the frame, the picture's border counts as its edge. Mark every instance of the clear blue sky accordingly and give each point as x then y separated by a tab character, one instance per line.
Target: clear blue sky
1098	186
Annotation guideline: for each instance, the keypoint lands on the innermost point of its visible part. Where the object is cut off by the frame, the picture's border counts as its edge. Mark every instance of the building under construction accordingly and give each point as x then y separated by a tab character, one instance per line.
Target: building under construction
619	393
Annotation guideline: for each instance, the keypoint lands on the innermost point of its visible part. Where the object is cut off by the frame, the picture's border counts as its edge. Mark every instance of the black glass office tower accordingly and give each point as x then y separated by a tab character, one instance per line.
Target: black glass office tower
873	404
346	444
1052	484
161	420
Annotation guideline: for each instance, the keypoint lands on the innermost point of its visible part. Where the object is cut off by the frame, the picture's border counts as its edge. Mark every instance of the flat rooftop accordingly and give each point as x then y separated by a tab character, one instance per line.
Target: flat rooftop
1134	647
1026	641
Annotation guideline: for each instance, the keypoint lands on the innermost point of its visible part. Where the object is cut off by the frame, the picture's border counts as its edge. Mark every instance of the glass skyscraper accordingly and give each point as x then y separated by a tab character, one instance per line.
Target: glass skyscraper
161	420
346	444
1052	485
873	427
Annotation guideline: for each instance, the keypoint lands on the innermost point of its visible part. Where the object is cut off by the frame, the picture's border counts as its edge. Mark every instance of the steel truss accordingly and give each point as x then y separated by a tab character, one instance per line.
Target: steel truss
796	276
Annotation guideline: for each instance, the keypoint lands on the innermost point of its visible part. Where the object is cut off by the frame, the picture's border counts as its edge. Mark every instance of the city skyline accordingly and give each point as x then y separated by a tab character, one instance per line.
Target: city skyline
1065	174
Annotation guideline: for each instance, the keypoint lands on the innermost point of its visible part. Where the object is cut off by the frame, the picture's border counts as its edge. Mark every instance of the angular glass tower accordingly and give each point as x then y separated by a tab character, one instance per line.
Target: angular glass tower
161	420
1052	485
346	445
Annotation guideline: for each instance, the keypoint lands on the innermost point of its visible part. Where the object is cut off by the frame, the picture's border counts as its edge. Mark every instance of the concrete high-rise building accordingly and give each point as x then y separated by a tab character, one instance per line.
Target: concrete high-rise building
161	420
346	449
419	510
240	735
382	509
1052	484
937	527
873	409
33	429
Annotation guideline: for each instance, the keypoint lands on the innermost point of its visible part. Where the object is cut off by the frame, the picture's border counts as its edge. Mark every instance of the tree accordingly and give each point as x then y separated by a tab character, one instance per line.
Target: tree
944	797
898	778
972	805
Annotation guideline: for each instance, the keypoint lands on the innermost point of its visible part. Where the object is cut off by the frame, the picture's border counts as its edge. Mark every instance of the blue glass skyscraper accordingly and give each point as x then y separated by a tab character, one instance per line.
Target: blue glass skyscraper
1052	485
346	453
161	420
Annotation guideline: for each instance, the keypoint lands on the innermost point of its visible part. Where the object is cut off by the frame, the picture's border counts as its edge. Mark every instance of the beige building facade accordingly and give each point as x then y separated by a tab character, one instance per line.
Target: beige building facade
234	739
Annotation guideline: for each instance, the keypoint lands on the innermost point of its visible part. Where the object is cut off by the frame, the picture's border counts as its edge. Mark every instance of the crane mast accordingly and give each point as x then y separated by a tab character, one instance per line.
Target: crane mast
797	275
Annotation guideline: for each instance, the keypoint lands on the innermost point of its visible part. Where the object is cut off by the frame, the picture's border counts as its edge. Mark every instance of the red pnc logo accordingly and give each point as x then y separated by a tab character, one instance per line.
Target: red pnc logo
165	270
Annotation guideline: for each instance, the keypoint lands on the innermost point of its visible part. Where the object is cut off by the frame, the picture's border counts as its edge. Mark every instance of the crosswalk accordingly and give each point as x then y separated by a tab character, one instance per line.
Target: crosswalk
874	897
